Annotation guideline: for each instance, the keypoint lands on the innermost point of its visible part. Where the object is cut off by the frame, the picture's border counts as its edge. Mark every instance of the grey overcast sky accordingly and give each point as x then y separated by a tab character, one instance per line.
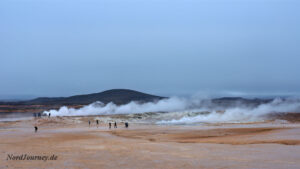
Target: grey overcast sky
164	47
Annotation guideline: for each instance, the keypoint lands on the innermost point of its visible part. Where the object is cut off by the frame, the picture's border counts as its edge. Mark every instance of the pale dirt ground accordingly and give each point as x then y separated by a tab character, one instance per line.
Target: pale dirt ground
258	145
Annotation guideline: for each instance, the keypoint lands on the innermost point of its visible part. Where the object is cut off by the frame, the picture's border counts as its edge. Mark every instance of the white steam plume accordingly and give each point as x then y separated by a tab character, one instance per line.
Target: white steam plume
237	113
241	114
98	108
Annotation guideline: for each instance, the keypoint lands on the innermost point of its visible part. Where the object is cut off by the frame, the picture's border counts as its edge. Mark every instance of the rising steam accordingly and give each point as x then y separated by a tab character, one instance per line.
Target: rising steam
177	110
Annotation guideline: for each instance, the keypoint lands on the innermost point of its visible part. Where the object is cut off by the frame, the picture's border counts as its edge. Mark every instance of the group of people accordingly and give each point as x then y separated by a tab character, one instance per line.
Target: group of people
97	122
109	124
39	115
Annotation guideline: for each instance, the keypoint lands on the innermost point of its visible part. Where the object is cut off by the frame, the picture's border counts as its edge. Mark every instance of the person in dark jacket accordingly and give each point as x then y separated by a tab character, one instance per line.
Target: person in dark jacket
109	124
35	128
115	126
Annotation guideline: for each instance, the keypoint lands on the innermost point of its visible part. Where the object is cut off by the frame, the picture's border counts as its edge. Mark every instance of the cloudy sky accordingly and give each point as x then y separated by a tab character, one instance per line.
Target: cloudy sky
164	47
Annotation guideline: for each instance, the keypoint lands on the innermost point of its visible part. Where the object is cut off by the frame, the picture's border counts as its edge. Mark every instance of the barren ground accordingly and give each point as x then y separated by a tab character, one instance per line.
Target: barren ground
76	145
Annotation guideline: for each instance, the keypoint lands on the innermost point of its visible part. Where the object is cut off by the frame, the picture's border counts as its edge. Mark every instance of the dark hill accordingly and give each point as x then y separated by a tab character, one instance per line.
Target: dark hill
237	101
118	96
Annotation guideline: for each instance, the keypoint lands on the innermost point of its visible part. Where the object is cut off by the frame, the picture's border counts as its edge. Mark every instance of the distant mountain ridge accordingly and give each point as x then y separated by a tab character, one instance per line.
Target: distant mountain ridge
124	96
117	96
234	101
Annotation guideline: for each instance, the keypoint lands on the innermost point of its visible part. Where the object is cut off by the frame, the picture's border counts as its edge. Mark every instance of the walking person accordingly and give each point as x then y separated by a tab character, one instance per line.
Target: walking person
89	123
109	124
115	126
35	128
97	121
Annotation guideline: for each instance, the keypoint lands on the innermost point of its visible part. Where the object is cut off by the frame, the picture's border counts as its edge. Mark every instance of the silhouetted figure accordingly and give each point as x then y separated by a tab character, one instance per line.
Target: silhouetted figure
49	115
126	124
35	128
109	124
115	126
89	123
97	121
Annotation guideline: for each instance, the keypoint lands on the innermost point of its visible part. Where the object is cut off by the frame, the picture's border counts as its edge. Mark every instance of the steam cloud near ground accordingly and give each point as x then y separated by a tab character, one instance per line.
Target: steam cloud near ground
186	107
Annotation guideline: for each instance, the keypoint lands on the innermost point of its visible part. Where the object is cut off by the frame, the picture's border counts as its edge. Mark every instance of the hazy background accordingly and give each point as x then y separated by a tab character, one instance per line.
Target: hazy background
164	47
